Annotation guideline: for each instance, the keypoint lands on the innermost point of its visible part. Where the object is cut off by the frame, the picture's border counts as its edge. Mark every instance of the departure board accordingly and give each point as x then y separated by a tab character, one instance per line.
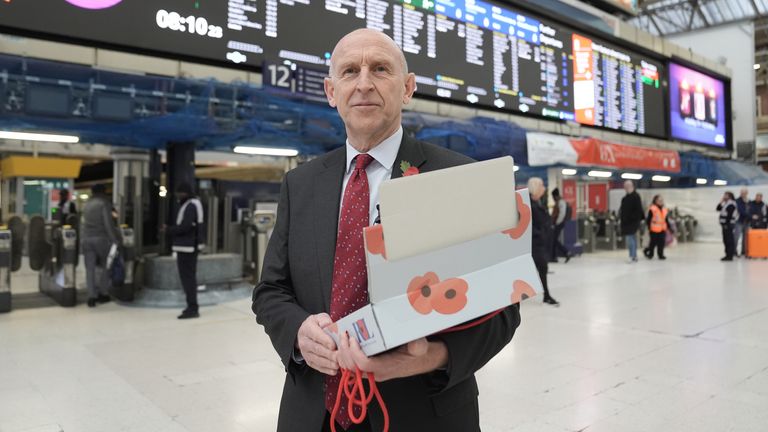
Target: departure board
469	51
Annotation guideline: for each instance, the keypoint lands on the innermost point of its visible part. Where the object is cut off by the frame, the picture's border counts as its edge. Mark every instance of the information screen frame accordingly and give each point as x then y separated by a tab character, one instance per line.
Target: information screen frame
536	11
728	117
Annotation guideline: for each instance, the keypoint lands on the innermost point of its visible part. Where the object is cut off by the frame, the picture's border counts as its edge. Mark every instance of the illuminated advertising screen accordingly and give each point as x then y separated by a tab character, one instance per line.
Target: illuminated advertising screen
469	51
697	107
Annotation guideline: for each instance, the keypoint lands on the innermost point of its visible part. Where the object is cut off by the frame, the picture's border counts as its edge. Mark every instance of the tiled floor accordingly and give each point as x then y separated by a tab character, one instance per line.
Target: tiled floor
680	345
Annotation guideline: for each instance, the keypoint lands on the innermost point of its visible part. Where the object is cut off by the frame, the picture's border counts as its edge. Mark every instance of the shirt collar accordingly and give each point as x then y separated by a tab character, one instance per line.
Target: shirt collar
385	153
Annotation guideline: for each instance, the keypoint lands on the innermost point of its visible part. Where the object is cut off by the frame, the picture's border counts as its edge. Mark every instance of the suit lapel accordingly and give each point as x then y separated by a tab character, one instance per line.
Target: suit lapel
411	152
327	199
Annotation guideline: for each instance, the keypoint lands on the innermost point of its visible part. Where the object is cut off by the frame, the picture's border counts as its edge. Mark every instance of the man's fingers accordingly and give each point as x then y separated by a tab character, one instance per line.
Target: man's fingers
317	334
358	356
323	319
318	363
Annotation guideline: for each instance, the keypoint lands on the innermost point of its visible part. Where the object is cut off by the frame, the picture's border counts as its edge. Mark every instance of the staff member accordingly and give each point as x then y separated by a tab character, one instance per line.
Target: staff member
314	270
66	206
658	223
187	236
741	226
729	217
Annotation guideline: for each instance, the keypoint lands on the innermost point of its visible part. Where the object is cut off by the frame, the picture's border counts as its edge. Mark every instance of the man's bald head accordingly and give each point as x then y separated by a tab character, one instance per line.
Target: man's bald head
366	33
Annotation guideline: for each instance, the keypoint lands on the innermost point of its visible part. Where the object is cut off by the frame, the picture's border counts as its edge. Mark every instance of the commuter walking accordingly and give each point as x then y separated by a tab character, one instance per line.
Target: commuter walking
188	240
98	234
631	215
729	217
658	223
541	227
561	213
758	213
742	224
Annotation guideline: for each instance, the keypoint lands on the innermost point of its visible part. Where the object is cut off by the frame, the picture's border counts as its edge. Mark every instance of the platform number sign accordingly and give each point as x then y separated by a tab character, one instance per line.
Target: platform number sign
280	76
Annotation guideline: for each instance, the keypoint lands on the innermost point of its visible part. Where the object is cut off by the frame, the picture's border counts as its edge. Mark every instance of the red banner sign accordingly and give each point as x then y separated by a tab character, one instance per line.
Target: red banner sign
596	152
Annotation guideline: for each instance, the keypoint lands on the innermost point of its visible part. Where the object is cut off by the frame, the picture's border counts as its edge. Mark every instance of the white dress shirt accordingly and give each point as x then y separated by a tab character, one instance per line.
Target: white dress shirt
380	168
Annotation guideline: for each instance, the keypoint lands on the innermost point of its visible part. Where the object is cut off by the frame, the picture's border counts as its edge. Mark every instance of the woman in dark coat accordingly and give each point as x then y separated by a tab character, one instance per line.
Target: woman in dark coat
631	216
541	227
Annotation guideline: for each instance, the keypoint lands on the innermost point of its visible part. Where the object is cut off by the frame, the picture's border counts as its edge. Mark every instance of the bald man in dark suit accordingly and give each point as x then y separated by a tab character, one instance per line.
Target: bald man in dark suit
312	274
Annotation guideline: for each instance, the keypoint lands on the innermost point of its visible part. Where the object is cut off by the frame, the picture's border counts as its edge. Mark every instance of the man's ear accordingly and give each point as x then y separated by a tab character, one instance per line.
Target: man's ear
329	91
410	88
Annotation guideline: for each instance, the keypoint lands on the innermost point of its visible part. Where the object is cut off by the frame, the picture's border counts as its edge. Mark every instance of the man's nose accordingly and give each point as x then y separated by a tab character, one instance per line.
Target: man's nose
364	80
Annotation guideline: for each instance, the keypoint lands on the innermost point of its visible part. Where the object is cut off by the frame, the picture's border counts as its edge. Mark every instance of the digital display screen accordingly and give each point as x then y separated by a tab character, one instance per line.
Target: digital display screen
697	107
48	100
469	51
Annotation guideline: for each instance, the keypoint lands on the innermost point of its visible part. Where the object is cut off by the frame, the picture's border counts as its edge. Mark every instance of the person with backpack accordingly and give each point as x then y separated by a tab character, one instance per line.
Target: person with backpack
561	213
729	217
187	237
631	215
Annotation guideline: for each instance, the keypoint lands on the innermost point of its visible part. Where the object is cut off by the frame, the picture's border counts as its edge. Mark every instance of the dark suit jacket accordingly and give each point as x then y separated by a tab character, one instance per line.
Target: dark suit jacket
296	282
541	230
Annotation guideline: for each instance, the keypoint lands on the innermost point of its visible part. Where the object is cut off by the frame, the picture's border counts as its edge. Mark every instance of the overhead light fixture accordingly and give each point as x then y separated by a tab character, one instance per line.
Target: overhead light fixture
756	66
569	171
701	181
266	151
631	176
83	197
516	168
720	183
661	178
601	174
28	136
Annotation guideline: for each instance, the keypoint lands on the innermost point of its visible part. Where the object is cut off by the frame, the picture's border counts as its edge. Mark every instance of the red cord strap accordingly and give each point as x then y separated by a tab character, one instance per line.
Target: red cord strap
352	384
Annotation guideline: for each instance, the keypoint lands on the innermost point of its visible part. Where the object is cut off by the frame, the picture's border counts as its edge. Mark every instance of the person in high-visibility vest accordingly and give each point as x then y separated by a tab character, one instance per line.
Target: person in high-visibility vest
657	227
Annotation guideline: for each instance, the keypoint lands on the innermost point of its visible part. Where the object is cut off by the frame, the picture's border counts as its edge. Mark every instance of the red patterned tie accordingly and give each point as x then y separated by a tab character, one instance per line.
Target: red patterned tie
349	288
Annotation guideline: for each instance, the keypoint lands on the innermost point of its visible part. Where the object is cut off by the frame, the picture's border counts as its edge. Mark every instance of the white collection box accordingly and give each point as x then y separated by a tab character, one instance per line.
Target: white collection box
454	245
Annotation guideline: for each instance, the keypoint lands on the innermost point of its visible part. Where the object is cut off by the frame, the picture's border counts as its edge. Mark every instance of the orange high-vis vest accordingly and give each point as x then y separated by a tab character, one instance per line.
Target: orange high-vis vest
658	219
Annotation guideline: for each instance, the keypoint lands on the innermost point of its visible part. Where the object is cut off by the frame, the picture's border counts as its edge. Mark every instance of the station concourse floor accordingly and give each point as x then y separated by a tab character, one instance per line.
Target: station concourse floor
679	345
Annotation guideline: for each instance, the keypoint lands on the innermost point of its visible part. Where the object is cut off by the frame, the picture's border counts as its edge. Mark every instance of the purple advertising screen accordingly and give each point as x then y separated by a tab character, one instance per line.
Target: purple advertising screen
697	107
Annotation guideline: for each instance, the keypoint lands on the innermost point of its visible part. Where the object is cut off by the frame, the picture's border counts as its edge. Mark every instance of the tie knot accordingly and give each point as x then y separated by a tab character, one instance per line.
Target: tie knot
362	161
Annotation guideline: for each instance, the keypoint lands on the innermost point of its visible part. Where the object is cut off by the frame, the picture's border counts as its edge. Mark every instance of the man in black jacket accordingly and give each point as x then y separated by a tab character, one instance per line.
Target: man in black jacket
187	239
315	263
631	215
541	228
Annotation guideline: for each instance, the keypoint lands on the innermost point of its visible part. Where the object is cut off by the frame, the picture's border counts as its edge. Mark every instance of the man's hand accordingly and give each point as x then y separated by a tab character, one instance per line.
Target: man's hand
415	358
317	348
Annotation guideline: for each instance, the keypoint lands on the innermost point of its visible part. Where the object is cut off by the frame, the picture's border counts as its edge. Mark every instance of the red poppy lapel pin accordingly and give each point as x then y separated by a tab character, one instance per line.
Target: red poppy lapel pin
407	169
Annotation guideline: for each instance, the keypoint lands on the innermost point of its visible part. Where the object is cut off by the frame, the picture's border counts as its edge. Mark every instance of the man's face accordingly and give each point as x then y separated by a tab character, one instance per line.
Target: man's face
759	197
181	196
744	193
368	84
628	186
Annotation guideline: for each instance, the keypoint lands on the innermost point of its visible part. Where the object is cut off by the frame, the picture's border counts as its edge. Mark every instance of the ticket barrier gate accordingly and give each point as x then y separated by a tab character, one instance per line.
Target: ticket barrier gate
588	233
11	245
126	291
53	252
608	230
256	225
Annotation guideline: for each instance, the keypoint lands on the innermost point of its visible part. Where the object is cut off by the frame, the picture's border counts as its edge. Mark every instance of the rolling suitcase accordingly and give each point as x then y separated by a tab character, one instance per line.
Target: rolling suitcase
757	243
